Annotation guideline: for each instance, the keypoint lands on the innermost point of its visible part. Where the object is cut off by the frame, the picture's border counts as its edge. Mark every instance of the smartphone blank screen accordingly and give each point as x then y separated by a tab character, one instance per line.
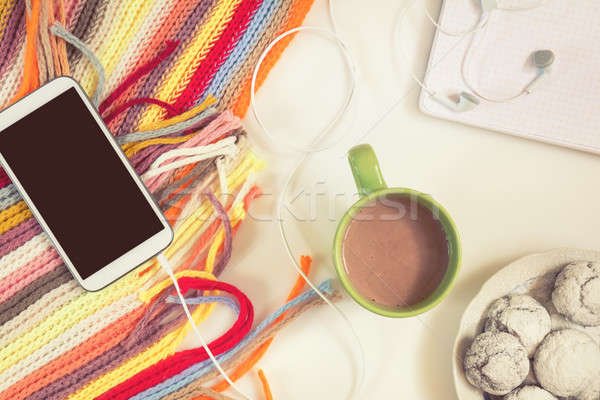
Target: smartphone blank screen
78	183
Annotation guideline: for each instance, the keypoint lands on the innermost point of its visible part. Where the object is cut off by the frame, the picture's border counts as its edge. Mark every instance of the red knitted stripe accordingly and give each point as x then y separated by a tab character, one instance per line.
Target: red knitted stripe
180	361
171	111
217	54
4	179
137	74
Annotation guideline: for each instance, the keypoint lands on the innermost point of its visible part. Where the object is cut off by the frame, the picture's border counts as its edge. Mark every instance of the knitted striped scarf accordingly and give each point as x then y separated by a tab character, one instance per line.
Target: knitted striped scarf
181	68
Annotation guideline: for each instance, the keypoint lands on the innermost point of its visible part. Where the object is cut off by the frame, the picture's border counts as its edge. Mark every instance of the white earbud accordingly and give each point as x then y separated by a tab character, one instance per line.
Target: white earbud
542	60
465	102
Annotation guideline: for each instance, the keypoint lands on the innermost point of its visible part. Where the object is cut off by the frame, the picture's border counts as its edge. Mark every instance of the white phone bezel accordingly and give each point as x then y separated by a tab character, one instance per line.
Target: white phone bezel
126	262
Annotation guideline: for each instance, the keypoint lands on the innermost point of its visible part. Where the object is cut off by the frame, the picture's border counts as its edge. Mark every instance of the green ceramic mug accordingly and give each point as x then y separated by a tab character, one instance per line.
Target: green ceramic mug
371	186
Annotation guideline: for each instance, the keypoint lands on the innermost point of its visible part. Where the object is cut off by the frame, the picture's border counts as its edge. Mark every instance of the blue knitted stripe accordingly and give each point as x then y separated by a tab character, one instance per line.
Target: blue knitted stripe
247	42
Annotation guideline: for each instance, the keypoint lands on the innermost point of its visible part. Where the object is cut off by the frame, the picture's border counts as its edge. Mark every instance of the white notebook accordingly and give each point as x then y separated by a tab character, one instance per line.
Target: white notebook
564	110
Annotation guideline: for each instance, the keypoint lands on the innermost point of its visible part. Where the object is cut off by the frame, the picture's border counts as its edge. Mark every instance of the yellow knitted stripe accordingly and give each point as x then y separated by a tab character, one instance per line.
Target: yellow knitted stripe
61	320
13	210
132	149
132	21
159	351
13	216
186	64
212	39
6	8
3	12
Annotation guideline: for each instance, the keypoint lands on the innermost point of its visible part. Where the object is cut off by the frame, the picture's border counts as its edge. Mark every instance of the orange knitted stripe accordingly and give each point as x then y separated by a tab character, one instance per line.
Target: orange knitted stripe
265	385
300	9
53	45
30	80
61	44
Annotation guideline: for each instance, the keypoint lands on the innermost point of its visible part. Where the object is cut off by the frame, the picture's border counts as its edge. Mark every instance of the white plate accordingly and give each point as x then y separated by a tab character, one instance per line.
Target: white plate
533	275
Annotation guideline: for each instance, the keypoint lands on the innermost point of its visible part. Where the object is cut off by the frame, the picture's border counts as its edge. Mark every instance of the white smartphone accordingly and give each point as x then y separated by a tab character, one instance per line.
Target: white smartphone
79	185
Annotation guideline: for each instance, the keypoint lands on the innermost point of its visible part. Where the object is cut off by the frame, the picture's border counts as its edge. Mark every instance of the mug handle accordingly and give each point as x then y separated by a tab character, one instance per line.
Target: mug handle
365	169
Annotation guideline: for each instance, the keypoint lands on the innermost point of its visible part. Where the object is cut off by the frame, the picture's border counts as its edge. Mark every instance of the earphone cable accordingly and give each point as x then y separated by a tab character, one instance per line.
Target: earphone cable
483	23
314	148
397	42
396	37
478	26
166	264
466	62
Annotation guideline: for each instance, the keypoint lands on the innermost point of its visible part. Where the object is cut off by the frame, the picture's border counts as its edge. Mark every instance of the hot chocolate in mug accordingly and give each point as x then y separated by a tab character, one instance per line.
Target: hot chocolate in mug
396	251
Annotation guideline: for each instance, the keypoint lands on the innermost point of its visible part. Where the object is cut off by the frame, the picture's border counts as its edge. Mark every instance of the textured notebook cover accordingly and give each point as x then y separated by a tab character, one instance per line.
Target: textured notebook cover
563	110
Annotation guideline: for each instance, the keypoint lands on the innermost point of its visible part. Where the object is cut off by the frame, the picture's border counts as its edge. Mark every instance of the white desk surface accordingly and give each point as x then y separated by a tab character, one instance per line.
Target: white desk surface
509	197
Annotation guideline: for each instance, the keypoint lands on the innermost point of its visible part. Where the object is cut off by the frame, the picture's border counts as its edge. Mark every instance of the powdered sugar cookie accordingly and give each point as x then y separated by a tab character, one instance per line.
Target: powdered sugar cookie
567	362
530	393
521	316
496	362
592	391
576	293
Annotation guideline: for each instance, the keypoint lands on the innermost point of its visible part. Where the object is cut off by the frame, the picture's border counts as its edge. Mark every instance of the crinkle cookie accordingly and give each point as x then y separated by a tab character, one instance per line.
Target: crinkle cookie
521	316
566	362
530	393
576	293
496	362
591	392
